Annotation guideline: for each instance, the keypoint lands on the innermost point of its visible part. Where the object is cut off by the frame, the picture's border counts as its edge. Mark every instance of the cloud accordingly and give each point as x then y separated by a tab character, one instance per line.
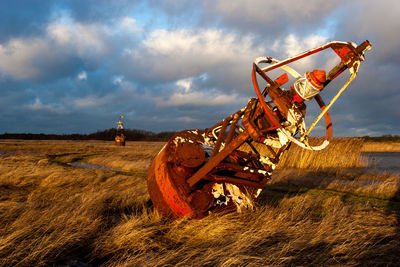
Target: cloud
82	76
37	105
117	79
84	39
170	55
66	47
272	19
18	57
24	19
260	11
378	22
89	102
186	95
16	20
187	119
174	64
223	57
293	45
89	11
198	99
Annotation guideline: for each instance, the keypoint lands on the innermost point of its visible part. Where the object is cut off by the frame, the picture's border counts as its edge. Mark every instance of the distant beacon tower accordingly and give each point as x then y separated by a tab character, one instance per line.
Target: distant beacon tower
120	137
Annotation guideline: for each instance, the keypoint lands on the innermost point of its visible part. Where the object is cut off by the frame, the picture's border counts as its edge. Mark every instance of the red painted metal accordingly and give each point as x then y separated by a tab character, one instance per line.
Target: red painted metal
267	111
222	168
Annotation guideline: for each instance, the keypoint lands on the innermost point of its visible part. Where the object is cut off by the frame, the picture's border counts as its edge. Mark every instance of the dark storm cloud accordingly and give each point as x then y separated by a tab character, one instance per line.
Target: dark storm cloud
272	19
379	22
373	98
97	10
169	65
268	19
30	17
23	18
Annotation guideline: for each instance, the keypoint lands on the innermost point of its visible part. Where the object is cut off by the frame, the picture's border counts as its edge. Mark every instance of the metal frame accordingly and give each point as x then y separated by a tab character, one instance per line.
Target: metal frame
180	178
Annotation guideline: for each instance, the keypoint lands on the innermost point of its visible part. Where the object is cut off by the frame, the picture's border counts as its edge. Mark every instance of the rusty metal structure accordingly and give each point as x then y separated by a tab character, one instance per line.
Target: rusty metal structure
120	136
199	172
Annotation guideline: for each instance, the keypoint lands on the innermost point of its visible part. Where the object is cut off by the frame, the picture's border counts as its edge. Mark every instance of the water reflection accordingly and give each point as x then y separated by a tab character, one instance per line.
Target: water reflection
86	165
383	162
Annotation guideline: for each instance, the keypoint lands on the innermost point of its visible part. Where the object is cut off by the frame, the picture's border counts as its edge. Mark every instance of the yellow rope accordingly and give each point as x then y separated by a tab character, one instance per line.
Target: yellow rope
353	75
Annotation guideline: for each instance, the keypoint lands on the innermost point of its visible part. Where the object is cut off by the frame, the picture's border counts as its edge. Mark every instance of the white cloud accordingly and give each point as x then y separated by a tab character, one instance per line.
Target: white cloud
84	39
261	12
129	25
293	45
185	95
224	57
64	40
124	93
18	57
82	76
91	101
117	79
176	54
185	84
186	119
362	131
39	106
199	99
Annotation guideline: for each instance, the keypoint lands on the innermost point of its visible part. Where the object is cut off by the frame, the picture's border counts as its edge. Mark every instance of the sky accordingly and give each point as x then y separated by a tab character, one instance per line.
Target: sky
167	65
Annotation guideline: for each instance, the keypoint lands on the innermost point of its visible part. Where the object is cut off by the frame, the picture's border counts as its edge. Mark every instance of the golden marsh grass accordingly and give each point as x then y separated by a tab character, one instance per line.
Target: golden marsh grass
380	147
55	214
341	153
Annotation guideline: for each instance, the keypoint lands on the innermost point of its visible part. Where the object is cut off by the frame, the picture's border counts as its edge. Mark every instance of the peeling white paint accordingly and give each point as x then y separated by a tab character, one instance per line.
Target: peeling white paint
207	148
282	137
272	143
239	198
262	172
161	149
234	194
259	190
267	161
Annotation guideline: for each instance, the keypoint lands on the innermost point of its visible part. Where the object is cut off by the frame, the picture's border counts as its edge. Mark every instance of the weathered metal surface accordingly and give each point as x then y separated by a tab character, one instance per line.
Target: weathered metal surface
120	140
120	137
167	176
200	172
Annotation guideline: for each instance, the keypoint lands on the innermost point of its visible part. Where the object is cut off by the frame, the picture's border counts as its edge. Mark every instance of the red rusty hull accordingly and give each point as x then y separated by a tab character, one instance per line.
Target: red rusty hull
120	140
198	172
167	175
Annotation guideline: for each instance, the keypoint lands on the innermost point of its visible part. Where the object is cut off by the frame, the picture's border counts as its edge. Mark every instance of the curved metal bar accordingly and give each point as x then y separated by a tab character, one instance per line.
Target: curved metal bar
328	121
304	54
261	97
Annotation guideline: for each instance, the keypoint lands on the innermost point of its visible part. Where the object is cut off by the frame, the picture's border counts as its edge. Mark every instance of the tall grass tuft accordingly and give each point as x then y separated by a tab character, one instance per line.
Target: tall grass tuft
55	214
381	147
340	153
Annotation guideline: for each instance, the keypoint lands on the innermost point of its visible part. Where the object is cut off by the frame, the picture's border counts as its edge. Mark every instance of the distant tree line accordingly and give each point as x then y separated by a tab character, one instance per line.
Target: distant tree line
384	138
140	135
106	135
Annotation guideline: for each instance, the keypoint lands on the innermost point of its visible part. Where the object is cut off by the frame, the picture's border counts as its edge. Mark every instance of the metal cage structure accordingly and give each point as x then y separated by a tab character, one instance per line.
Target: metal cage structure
199	172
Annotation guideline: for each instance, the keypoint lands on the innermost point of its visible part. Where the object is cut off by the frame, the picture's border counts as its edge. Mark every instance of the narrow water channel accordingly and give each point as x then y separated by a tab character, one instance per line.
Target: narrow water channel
388	162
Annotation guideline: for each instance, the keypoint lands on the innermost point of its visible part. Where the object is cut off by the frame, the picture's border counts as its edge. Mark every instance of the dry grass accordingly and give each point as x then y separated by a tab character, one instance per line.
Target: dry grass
381	147
52	213
136	156
341	153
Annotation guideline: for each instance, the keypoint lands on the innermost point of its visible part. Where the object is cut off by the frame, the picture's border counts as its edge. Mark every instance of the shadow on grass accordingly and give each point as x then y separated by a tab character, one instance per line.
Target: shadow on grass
300	182
381	249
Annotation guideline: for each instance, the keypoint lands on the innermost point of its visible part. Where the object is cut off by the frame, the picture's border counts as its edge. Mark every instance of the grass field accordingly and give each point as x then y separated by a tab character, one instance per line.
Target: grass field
58	209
